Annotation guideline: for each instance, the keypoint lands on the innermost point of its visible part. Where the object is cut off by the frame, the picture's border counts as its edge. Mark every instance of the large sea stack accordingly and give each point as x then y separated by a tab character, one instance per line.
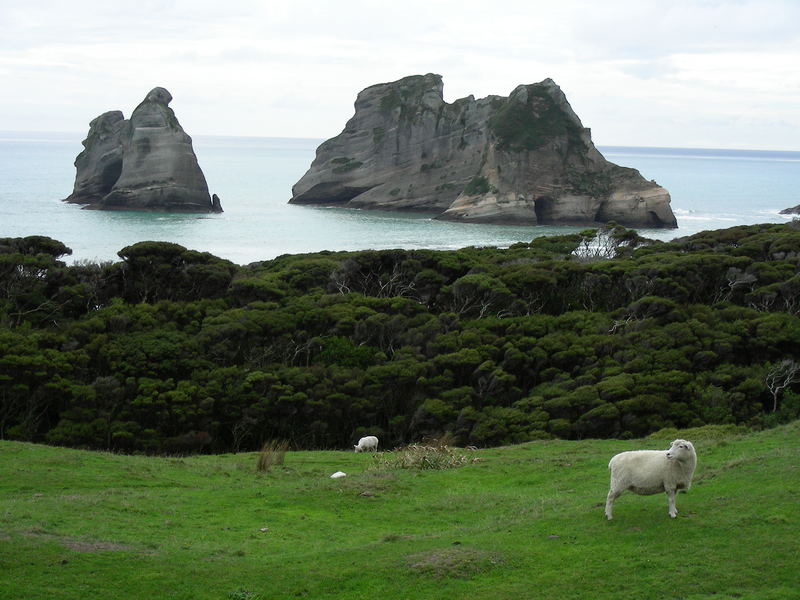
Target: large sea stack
524	159
142	163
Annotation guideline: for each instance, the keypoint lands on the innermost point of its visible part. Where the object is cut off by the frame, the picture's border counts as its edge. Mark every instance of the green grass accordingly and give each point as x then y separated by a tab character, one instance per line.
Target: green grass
519	522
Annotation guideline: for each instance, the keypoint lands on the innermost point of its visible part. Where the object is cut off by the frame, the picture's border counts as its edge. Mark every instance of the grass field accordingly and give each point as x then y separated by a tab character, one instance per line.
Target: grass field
514	523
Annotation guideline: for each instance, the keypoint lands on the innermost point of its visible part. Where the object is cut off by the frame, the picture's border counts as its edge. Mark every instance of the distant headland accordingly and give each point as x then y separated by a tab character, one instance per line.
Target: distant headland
142	163
523	159
794	210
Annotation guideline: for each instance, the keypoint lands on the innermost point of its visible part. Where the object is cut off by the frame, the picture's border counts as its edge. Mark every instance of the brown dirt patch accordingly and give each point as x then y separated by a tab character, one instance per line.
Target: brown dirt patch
78	545
455	562
88	547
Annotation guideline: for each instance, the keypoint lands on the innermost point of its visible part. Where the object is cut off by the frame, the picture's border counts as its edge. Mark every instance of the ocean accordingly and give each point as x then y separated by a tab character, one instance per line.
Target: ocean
710	189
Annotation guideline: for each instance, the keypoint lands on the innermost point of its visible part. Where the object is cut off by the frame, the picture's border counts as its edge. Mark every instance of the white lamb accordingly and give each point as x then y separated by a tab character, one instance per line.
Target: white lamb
647	472
369	443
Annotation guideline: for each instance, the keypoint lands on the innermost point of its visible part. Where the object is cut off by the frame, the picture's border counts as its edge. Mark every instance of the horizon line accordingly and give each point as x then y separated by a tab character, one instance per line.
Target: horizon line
3	132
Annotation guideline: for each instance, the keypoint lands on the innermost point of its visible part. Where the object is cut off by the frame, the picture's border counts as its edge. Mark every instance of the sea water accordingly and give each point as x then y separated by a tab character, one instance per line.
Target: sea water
710	189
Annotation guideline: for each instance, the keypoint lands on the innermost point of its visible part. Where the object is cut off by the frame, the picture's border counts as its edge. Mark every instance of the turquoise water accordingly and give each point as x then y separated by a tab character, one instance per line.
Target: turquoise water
710	189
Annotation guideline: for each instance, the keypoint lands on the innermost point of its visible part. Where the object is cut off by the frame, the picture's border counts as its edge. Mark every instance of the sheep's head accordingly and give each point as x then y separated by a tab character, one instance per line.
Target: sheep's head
680	450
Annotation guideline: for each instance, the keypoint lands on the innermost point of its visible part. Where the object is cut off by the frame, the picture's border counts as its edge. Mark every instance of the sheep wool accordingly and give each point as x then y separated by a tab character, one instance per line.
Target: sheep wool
647	472
368	443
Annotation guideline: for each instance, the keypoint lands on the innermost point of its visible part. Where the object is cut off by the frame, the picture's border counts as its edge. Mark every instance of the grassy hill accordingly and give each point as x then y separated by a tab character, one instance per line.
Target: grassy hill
515	522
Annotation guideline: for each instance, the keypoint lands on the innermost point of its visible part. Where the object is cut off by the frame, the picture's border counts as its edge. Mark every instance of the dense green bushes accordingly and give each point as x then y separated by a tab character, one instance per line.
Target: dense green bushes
171	350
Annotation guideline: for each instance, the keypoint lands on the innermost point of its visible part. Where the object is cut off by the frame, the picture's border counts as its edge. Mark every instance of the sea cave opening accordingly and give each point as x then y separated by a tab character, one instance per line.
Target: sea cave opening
110	174
543	206
601	216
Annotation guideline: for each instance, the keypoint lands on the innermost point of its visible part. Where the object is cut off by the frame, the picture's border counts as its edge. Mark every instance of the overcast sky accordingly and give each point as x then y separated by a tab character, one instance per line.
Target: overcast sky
702	73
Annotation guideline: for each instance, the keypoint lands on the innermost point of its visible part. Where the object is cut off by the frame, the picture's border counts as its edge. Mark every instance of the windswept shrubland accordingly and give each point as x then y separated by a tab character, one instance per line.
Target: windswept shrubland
592	335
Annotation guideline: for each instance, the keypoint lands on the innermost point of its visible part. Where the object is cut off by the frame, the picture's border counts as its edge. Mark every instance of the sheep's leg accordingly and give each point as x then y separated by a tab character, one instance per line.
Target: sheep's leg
612	495
673	512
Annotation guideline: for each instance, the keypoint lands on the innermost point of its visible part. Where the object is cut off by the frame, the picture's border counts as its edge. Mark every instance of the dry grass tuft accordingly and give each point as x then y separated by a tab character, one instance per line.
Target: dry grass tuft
272	453
418	456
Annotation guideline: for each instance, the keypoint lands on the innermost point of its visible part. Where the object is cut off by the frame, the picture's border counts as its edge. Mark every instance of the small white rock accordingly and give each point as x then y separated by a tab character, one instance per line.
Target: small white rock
338	474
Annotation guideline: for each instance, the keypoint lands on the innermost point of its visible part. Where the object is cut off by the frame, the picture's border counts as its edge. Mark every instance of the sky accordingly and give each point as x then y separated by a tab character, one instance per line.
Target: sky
676	73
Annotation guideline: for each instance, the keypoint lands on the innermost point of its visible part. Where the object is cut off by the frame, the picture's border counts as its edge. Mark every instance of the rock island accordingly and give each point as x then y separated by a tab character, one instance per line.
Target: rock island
522	159
143	163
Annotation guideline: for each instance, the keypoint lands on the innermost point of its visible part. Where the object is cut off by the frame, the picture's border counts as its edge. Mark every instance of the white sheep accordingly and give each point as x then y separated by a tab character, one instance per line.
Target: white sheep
369	443
647	472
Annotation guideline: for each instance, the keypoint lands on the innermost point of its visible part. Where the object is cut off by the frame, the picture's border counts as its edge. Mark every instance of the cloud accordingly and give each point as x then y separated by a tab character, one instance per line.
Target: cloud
638	72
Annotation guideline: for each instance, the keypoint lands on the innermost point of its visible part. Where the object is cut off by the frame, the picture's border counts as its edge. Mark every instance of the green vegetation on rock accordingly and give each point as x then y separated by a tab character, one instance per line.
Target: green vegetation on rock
430	166
345	164
592	183
531	124
390	101
478	185
406	94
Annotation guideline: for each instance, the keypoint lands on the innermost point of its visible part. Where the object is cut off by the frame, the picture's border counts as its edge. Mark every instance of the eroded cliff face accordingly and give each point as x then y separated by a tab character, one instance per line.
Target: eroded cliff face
144	163
524	159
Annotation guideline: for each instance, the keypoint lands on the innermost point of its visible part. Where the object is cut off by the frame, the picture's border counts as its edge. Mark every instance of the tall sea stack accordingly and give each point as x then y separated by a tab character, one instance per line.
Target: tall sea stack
144	163
521	159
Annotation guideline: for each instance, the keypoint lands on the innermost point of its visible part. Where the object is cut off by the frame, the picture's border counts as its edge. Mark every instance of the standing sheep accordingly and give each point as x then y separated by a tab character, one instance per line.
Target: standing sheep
647	472
369	443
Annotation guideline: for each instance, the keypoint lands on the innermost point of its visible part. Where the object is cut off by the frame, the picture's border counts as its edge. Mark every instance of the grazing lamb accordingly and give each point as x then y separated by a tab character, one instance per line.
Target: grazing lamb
647	472
369	443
